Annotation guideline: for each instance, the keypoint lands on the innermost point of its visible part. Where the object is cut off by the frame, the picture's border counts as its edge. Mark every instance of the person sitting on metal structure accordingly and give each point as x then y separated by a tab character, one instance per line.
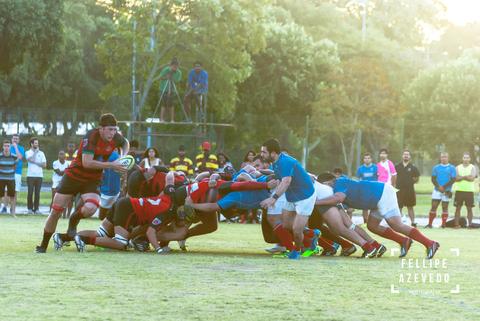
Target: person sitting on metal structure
169	75
197	88
206	162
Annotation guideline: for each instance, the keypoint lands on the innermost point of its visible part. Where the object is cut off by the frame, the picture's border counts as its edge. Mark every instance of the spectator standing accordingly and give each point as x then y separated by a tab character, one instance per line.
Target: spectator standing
168	77
407	176
205	161
367	172
443	177
36	163
151	158
464	189
59	167
182	163
248	159
8	161
18	169
386	169
71	152
197	86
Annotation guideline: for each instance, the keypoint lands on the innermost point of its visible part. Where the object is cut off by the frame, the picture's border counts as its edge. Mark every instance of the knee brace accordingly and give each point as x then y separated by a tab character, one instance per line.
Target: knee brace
58	208
94	202
121	239
352	227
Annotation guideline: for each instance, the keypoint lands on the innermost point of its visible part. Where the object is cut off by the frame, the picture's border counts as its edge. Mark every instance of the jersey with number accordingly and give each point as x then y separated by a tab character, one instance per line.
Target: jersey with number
101	150
146	209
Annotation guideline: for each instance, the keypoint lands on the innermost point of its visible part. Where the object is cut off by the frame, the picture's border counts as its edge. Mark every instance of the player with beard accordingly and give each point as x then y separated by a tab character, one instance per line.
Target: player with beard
299	193
83	176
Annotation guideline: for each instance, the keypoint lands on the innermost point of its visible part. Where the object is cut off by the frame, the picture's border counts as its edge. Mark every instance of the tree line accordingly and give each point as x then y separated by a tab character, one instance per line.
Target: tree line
365	73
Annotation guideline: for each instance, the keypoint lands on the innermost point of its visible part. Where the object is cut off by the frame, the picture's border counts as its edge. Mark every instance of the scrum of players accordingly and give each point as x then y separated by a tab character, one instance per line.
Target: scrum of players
301	212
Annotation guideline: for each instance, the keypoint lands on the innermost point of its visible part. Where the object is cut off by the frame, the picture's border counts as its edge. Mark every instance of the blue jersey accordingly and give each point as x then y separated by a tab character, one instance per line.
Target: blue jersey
301	186
244	200
362	195
262	179
444	173
18	167
110	185
367	173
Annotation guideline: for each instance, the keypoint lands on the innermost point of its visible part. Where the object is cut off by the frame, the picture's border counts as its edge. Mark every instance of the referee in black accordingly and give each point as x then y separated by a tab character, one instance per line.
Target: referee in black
407	176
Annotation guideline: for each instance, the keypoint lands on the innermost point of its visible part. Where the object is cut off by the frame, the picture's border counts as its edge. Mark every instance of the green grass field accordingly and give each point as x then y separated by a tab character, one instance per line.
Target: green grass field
228	276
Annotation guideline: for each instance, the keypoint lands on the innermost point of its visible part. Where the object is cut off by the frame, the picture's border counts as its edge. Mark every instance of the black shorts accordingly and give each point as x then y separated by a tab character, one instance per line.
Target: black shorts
10	185
124	214
167	99
406	198
71	186
464	198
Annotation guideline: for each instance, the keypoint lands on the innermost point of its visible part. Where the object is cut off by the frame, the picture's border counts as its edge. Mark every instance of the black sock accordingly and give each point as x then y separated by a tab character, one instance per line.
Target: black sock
73	221
46	239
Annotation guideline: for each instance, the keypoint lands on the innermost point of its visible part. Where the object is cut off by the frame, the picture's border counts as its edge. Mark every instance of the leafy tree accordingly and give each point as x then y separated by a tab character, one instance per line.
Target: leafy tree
223	34
444	105
30	30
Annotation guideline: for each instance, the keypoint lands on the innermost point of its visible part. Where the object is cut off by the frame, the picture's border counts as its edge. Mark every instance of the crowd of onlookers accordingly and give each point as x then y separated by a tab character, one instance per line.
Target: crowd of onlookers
446	178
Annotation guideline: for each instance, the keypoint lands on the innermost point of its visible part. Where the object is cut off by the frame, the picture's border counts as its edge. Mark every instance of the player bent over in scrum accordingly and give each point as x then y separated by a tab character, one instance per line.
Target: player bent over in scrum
131	212
382	200
83	176
341	224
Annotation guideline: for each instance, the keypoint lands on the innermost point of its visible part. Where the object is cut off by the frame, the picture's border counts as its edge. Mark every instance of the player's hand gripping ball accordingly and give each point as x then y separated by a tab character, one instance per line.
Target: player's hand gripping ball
126	162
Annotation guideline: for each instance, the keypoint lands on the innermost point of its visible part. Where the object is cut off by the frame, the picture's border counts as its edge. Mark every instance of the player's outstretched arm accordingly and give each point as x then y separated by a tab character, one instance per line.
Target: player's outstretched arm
206	207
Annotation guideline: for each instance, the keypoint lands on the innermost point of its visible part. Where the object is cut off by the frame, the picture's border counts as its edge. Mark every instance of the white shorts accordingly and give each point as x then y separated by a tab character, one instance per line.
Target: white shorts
55	183
387	206
107	201
18	182
439	196
276	209
303	207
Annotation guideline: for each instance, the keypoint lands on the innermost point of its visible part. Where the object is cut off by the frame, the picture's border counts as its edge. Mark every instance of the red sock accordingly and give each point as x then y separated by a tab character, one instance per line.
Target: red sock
444	218
285	237
344	243
89	239
431	217
368	246
394	236
325	243
307	237
419	237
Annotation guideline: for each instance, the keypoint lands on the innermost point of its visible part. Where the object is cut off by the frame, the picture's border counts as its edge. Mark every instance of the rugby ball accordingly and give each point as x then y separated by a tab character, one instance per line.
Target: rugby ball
127	161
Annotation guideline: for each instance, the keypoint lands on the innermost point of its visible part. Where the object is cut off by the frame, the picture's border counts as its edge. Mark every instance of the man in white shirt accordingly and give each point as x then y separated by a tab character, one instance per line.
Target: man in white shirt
36	163
59	167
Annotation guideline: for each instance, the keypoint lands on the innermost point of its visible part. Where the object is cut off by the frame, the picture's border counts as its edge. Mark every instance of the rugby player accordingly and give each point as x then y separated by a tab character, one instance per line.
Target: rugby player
251	199
381	198
131	212
83	176
299	193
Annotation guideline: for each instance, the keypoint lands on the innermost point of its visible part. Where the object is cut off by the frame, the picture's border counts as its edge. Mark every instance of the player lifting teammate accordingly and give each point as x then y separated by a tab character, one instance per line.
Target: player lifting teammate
83	176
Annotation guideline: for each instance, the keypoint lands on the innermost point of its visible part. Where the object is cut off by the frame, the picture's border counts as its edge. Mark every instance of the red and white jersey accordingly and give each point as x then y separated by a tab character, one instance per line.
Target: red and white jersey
146	209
